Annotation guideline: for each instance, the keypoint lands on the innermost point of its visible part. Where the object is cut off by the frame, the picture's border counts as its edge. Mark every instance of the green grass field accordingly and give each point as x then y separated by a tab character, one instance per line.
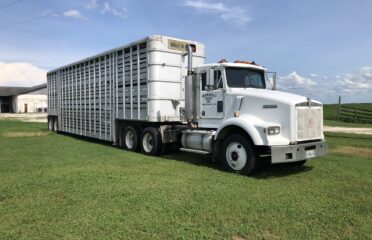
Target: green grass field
58	186
330	115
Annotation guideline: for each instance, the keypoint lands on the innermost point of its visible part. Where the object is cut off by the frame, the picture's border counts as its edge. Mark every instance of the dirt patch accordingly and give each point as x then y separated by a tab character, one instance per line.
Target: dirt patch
353	151
26	134
238	237
25	117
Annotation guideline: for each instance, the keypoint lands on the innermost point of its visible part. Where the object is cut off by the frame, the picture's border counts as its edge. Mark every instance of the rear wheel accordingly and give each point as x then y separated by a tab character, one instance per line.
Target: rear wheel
151	143
50	124
55	125
237	154
130	139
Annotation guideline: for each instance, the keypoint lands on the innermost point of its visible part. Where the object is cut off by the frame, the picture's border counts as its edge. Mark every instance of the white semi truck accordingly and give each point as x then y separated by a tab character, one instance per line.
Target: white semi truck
157	93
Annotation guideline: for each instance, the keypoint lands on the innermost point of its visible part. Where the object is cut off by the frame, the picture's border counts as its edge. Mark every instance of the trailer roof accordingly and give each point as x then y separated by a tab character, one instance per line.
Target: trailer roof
150	37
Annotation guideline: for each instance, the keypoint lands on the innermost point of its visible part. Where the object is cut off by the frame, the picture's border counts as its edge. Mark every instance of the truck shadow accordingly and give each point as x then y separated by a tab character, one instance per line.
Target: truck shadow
264	170
279	170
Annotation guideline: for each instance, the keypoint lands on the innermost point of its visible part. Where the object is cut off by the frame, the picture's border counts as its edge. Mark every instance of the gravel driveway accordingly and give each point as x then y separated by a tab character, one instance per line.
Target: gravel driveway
348	130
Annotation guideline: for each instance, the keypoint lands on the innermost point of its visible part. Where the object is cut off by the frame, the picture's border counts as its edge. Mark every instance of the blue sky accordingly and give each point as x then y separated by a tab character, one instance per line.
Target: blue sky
320	49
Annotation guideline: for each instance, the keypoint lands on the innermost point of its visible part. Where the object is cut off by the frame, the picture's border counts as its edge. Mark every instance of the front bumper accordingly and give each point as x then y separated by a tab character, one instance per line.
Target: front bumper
298	152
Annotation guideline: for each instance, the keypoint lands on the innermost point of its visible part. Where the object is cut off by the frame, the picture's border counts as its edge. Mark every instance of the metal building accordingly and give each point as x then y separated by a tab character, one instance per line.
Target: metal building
23	99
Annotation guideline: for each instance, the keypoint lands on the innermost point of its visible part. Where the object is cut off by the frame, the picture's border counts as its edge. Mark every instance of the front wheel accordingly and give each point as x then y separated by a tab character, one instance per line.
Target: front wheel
238	155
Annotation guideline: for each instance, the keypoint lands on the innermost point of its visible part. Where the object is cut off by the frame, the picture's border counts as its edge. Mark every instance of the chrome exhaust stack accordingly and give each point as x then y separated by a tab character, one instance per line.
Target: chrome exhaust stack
190	93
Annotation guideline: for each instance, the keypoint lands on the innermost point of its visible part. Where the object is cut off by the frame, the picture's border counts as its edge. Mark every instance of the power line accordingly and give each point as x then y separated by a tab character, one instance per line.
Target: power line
9	4
25	21
50	14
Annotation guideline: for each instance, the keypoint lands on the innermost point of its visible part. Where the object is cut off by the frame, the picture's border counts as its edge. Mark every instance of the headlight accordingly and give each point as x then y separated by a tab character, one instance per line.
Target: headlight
275	130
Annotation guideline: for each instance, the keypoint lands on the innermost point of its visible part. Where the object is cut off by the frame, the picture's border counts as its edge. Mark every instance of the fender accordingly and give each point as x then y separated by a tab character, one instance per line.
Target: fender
246	123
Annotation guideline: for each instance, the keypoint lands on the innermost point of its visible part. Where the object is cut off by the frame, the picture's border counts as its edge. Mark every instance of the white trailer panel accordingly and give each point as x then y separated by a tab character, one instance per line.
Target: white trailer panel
141	81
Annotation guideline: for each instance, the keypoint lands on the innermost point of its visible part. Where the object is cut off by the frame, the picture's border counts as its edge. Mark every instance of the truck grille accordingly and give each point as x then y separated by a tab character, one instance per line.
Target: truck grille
309	123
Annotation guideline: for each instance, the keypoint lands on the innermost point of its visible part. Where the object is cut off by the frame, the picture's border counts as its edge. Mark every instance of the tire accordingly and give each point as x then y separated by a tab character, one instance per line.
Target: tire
151	143
50	124
130	139
55	125
237	155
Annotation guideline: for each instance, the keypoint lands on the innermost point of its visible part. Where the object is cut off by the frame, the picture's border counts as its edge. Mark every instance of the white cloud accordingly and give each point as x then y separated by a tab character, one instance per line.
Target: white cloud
49	12
91	5
234	14
74	14
106	7
294	80
121	13
313	75
360	81
21	74
366	72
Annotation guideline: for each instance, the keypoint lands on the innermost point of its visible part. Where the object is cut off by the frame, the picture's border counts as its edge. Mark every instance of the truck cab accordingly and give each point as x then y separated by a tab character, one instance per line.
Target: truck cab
245	117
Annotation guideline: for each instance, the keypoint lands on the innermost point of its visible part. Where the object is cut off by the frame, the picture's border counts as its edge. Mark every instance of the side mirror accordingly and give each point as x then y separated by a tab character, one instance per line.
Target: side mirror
270	77
210	78
274	81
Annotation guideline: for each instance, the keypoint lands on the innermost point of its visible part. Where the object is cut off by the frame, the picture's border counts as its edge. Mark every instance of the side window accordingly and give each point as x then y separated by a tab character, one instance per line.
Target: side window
203	77
217	80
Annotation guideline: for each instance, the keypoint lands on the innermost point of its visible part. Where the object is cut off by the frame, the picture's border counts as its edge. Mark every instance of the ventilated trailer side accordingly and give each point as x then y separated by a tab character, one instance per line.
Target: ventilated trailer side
142	81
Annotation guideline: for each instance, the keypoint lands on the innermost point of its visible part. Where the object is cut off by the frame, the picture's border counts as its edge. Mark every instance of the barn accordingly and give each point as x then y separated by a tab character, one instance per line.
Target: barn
23	99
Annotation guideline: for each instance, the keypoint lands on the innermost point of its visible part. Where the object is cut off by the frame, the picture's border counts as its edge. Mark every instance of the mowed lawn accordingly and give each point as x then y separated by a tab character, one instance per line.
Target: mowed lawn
56	186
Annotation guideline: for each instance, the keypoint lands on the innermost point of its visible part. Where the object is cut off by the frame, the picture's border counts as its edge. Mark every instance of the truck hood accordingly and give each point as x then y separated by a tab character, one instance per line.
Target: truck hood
269	95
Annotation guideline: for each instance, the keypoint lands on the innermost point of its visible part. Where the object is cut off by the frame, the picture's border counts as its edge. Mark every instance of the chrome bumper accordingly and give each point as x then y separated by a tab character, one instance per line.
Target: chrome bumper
298	152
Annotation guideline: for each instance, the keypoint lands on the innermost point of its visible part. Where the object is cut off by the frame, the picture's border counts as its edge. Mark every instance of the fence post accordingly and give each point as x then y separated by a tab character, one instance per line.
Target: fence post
339	107
355	114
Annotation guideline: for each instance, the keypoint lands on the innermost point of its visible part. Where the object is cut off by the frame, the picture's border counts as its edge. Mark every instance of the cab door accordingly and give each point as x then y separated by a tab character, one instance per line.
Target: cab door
212	94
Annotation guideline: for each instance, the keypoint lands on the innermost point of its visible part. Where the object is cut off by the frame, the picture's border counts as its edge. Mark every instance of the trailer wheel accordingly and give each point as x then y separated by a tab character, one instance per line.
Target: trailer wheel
55	125
50	124
151	143
130	139
237	154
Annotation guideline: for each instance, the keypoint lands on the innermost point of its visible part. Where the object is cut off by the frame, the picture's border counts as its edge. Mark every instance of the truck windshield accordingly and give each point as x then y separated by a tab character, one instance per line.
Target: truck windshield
244	78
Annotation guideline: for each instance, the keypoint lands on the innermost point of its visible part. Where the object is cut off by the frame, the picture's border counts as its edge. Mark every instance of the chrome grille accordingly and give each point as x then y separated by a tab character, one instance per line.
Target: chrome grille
309	123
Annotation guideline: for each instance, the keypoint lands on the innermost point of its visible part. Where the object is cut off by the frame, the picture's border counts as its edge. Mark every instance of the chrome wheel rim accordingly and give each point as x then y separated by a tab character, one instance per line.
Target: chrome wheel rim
147	142
129	139
236	156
